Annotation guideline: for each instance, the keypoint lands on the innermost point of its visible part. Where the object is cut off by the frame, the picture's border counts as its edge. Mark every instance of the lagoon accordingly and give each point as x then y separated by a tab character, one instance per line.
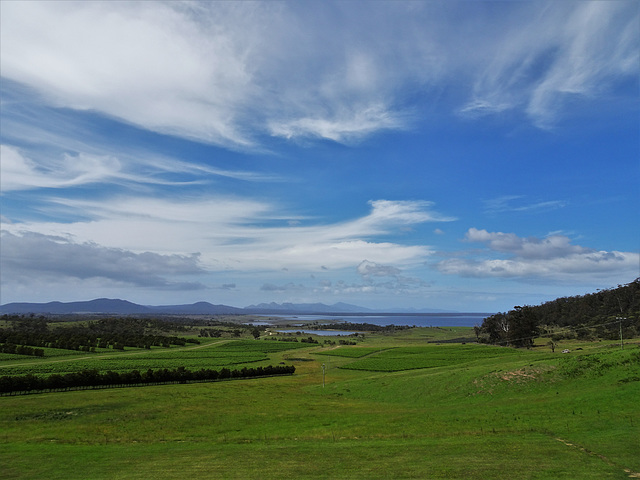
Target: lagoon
327	333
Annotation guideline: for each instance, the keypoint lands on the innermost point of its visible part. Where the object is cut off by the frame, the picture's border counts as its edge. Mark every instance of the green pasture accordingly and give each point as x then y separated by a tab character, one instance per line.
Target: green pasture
451	411
408	358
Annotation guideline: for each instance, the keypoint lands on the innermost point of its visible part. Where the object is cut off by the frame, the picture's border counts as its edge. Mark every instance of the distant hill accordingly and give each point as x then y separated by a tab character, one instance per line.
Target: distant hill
124	307
100	305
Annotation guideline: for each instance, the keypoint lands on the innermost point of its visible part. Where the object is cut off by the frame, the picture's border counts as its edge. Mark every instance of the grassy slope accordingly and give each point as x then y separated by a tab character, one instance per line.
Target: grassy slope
504	417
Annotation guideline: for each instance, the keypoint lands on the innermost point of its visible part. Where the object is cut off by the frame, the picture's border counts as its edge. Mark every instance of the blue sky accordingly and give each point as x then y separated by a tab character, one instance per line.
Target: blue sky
469	156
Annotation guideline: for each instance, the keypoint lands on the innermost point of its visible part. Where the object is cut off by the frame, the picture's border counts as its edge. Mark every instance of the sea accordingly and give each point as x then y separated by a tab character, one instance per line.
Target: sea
418	320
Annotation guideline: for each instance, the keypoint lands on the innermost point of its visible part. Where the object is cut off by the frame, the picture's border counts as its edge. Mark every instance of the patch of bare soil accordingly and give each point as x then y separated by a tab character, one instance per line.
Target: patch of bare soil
522	375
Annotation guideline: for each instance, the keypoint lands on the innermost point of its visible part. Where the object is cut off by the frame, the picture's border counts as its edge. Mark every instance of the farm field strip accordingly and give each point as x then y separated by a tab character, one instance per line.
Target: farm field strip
351	352
214	355
408	358
265	346
74	355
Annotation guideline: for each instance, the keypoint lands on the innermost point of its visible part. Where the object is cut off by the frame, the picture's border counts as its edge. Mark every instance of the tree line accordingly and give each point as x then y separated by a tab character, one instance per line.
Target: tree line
21	384
597	315
115	333
362	327
21	350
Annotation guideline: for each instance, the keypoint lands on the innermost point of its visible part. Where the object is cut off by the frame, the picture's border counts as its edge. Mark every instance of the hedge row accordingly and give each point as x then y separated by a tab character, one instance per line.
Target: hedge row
11	385
21	350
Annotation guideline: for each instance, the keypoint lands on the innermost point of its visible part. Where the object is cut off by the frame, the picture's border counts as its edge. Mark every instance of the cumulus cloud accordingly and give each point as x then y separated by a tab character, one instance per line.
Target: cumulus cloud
28	256
382	278
553	246
369	269
552	258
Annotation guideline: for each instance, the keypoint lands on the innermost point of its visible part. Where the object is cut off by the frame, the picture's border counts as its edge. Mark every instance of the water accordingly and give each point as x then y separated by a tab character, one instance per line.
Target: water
419	320
329	333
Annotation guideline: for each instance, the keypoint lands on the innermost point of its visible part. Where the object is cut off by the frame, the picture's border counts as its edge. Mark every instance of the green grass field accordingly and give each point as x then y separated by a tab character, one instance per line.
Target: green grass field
394	407
408	358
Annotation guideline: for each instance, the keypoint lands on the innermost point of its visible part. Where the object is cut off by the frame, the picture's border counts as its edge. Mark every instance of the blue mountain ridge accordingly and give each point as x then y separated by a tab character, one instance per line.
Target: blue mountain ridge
124	307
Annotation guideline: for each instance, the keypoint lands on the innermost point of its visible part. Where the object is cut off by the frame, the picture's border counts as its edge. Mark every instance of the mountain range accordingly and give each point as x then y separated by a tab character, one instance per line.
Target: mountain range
124	307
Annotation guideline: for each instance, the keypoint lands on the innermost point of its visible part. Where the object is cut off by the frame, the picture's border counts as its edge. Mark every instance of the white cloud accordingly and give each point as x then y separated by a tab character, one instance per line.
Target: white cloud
552	258
343	127
217	74
229	72
598	46
386	278
551	52
149	64
515	203
553	246
224	232
32	256
20	172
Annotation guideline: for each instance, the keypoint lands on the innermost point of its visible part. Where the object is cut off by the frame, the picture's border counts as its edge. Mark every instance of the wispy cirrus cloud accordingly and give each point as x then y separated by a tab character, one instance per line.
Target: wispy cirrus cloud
519	203
19	172
45	147
561	51
342	127
230	73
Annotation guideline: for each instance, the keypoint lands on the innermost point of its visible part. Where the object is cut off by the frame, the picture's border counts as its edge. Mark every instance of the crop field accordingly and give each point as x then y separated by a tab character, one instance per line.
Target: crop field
264	346
445	411
10	357
351	352
408	358
214	355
